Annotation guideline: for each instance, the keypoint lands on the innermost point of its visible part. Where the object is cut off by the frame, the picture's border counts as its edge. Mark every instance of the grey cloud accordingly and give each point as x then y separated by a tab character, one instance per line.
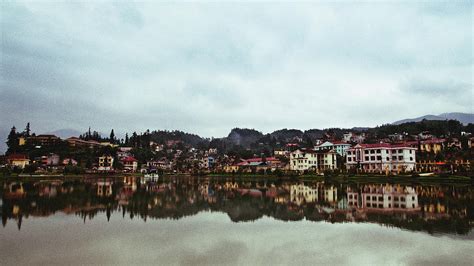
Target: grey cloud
211	67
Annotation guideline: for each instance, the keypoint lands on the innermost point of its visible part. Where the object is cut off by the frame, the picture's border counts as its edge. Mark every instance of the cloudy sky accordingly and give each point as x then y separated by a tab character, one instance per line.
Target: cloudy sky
206	68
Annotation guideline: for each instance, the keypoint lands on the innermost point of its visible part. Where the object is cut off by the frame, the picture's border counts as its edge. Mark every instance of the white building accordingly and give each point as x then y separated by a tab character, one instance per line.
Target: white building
381	157
307	159
339	147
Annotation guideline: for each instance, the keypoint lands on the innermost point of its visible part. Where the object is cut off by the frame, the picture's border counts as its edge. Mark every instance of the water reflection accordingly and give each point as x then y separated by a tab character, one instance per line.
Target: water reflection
433	209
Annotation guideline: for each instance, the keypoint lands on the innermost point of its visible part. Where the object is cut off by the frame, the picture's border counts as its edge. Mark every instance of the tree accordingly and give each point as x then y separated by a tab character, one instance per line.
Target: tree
126	139
112	136
27	129
12	140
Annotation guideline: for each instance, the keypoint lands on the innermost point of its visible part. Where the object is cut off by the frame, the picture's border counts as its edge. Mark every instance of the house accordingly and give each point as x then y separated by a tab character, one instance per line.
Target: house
124	152
381	157
308	159
207	162
69	161
302	194
50	160
130	163
106	163
338	146
18	160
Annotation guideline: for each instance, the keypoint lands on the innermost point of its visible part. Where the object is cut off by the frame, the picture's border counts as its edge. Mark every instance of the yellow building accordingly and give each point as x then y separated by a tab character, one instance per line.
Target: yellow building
432	145
106	163
18	160
21	141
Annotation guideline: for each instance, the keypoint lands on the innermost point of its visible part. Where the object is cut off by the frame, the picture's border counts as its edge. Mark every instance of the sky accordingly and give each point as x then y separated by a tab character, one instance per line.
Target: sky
206	68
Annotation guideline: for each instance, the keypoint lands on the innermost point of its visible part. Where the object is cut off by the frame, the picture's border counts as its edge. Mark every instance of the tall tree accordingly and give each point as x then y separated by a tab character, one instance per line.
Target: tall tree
27	129
112	136
126	139
12	140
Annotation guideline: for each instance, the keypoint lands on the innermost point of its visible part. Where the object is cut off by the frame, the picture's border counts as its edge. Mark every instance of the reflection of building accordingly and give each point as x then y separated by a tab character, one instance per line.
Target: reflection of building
104	188
381	157
329	194
384	197
300	194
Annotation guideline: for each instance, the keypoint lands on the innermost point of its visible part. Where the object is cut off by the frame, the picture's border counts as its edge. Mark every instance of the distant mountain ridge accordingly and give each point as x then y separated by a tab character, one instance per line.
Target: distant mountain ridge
464	118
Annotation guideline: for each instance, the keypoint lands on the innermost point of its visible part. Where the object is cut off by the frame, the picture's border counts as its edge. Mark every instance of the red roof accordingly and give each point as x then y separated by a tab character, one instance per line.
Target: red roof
129	159
268	159
17	156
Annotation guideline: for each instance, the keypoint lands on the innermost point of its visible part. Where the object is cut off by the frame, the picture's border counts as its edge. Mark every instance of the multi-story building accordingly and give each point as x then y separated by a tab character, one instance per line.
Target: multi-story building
381	157
308	159
130	163
44	140
106	163
338	146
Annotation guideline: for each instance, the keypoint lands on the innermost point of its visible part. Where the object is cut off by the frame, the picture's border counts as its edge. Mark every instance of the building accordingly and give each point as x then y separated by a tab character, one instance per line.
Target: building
50	160
130	164
381	158
18	160
311	160
106	163
431	145
44	140
338	146
80	143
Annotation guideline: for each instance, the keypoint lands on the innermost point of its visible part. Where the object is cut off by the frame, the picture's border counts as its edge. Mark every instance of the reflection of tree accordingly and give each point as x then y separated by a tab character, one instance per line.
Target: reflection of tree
442	208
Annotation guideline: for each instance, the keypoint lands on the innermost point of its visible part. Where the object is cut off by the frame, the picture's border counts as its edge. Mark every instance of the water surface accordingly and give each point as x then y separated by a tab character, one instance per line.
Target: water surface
184	221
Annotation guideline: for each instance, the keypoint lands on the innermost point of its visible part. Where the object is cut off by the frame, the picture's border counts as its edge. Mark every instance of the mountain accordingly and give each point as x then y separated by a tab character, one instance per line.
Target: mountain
244	136
464	118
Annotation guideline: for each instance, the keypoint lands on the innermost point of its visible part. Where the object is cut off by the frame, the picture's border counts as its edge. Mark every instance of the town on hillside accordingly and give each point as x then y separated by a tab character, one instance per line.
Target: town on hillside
413	148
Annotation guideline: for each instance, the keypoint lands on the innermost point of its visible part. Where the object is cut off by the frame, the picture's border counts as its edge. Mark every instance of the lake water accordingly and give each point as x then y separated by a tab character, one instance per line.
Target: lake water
202	221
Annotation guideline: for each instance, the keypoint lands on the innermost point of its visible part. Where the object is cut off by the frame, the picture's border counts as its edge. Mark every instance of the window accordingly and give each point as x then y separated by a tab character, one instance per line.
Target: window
394	158
350	196
368	205
389	197
413	205
374	198
400	158
410	151
388	158
413	198
390	205
411	158
372	158
378	151
368	197
379	158
349	159
381	206
400	151
372	151
366	158
366	152
402	199
395	198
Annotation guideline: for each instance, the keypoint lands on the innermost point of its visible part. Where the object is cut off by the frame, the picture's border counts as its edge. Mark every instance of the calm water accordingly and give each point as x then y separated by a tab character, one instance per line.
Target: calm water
192	221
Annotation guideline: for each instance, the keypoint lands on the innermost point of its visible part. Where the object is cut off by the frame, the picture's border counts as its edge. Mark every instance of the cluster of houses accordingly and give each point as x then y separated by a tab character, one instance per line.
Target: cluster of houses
393	155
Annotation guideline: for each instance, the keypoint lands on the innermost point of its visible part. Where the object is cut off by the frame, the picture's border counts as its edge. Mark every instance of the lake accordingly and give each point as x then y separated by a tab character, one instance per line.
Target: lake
219	221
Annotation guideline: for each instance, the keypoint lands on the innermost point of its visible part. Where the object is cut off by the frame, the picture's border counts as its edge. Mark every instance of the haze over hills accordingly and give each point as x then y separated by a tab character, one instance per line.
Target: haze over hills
247	137
464	118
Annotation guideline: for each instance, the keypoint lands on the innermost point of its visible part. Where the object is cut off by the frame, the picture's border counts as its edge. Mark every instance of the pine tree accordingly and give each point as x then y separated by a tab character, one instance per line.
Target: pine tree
126	139
27	129
112	136
12	140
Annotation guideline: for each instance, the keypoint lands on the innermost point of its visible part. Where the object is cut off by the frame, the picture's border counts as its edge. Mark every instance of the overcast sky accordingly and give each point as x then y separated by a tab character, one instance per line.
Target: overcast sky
206	68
